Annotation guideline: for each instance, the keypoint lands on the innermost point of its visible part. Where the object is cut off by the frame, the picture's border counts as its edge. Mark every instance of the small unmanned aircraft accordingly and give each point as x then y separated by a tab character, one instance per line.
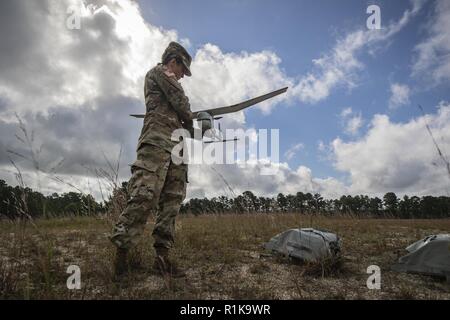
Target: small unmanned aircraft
207	117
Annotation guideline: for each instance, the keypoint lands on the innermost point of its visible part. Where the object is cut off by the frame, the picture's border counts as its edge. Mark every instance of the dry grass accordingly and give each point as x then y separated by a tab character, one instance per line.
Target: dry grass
224	258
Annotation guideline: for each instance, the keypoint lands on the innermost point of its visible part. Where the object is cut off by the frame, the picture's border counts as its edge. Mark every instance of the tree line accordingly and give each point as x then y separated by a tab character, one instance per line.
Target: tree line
18	202
21	202
306	203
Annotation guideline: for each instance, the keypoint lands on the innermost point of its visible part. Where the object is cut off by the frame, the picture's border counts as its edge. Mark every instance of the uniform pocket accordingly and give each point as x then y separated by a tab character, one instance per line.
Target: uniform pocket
146	165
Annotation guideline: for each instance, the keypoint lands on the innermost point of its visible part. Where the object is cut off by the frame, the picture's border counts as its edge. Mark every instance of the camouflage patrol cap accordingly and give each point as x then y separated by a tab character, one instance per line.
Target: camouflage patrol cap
177	50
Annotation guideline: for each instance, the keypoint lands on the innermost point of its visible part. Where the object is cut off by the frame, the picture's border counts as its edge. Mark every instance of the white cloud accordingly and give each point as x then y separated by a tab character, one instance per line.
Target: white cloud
59	183
65	82
111	54
103	64
340	66
222	79
116	46
217	180
292	151
321	146
397	157
52	70
346	112
433	54
399	95
108	56
352	121
354	124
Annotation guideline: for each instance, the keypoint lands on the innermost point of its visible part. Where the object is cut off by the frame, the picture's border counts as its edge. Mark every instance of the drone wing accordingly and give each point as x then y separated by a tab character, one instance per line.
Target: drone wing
232	108
242	105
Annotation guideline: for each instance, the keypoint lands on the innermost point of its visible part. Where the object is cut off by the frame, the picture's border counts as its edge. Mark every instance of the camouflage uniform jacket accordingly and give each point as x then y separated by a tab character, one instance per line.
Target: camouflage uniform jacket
168	108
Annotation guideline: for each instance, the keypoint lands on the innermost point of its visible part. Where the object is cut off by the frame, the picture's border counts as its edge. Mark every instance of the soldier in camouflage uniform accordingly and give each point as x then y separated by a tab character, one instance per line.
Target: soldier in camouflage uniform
156	182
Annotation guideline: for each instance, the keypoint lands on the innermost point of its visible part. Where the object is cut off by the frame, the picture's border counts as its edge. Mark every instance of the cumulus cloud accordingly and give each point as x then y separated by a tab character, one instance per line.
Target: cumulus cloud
115	46
72	135
75	88
64	83
48	64
228	78
232	180
110	54
433	54
69	145
399	95
398	157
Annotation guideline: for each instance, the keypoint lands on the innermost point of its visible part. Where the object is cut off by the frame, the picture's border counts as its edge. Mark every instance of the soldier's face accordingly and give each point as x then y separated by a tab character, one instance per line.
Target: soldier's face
177	69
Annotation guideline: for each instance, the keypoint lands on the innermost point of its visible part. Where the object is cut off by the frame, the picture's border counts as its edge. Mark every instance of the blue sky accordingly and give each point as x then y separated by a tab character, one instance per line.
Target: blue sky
354	92
298	32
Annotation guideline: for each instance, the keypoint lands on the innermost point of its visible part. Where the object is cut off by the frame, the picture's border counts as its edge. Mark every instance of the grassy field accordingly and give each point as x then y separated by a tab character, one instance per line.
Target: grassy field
223	255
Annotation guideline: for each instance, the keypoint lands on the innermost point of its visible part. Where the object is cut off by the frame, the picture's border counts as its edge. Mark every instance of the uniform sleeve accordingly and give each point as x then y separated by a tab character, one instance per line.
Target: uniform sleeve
175	95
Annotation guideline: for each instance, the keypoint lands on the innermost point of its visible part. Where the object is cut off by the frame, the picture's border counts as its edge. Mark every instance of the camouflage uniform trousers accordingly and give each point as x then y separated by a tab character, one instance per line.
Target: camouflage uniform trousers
156	184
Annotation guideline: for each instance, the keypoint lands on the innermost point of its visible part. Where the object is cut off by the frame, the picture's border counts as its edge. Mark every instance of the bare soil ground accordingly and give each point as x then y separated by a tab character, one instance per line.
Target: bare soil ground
223	255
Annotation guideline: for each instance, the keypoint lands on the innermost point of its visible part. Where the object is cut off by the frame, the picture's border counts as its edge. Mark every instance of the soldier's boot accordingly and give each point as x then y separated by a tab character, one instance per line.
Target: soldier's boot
120	262
164	266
